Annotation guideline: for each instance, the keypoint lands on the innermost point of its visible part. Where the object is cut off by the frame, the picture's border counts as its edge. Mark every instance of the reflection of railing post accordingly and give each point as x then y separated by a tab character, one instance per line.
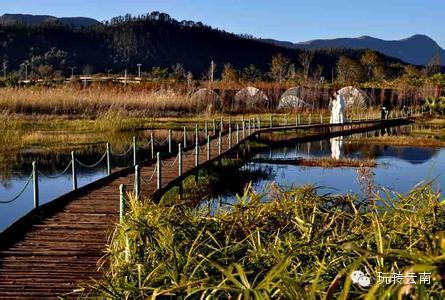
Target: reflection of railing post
237	133
219	143
230	137
169	141
208	147
108	160
185	137
135	158
73	170
122	196
158	170
35	182
152	145
179	160
196	153
137	181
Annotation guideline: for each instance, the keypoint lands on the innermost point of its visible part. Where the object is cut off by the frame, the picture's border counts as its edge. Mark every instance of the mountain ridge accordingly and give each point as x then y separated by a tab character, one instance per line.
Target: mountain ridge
417	49
33	20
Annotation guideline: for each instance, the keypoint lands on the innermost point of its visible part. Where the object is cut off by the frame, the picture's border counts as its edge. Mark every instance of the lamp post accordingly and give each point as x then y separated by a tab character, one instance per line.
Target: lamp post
4	70
139	70
72	71
108	72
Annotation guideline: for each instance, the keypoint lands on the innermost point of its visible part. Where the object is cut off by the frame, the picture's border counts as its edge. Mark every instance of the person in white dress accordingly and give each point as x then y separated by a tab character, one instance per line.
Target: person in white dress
337	109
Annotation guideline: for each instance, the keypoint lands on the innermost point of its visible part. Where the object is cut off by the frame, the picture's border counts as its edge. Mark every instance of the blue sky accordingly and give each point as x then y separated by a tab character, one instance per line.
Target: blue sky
279	19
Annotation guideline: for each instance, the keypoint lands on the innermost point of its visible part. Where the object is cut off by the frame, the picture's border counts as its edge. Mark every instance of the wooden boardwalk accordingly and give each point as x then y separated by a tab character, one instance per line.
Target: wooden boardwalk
56	248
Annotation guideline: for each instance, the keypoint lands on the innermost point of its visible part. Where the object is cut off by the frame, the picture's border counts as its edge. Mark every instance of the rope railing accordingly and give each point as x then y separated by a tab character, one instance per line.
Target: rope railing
22	191
57	175
149	178
123	153
92	165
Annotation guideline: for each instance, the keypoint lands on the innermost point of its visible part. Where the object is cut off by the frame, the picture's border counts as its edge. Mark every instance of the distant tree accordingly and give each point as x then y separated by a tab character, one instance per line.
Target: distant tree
229	74
369	60
279	67
349	71
413	76
46	71
178	72
158	73
251	73
434	66
305	60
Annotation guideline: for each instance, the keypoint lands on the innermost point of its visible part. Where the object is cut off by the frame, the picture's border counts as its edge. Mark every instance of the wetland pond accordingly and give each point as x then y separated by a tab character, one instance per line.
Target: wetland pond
398	168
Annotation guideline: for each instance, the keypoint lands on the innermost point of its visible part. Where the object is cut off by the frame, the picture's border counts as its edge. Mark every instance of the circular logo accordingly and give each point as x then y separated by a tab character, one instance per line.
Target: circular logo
358	277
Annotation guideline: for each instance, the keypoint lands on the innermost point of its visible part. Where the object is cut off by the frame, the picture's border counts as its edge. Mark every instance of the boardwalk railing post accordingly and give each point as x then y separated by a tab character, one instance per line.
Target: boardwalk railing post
214	126
230	137
206	128
237	133
196	133
208	147
219	143
296	120
179	159
35	182
321	118
73	170
271	121
135	158
249	127
158	171
230	122
253	124
285	120
152	145
221	125
185	137
196	153
244	127
137	181
122	190
259	122
169	141
310	119
108	160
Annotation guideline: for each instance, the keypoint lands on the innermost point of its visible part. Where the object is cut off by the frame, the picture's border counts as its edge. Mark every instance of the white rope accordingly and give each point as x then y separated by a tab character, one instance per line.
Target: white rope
57	175
20	193
124	153
150	178
93	165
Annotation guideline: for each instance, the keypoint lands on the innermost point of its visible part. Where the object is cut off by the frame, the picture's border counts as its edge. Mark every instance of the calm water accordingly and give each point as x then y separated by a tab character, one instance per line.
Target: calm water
399	168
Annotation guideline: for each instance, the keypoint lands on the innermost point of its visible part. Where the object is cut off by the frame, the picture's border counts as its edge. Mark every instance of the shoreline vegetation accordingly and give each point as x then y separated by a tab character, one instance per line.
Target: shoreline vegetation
297	245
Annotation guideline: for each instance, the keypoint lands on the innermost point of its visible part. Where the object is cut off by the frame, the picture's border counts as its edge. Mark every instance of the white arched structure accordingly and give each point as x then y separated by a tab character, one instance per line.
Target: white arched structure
291	99
355	97
206	99
250	98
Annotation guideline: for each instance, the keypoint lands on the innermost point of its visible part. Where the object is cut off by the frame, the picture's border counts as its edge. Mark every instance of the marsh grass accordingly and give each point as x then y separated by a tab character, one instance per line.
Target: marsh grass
298	245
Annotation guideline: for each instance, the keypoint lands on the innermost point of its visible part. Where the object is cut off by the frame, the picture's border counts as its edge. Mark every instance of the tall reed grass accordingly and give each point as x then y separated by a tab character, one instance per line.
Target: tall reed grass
300	245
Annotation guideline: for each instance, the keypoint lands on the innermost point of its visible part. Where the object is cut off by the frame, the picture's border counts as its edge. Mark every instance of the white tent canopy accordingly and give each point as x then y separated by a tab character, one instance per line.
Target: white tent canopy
250	98
291	99
355	97
206	99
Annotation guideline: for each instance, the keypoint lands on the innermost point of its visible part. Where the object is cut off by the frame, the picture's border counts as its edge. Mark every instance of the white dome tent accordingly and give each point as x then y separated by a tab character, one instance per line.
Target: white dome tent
250	98
354	97
291	99
206	99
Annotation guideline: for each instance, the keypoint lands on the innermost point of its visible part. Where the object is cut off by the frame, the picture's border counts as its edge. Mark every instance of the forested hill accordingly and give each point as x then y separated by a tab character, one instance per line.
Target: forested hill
154	39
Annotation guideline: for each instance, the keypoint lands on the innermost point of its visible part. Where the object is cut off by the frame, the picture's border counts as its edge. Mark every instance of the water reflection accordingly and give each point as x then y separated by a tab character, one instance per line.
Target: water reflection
336	147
